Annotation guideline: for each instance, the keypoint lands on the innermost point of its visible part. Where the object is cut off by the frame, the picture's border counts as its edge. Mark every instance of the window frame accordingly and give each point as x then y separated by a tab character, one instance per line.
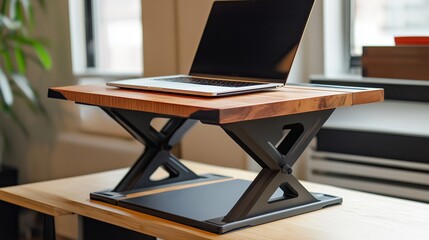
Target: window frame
89	34
354	60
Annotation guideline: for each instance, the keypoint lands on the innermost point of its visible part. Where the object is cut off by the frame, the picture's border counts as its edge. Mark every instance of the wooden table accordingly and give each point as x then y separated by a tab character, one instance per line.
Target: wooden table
361	216
273	127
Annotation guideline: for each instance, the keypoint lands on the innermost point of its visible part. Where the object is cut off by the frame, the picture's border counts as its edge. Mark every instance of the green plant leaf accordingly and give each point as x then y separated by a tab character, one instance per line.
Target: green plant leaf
43	55
27	11
41	52
7	61
3	7
9	23
20	60
20	14
23	85
6	91
12	8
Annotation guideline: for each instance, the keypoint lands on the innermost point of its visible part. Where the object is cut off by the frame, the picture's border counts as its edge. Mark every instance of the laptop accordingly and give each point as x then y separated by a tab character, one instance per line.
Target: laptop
246	46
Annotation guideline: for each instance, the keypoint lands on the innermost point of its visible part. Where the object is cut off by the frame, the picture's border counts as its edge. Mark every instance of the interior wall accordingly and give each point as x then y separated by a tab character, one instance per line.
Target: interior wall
160	51
191	18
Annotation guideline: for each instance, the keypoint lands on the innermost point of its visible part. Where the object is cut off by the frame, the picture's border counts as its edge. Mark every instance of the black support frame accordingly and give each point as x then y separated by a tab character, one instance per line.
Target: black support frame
274	143
158	145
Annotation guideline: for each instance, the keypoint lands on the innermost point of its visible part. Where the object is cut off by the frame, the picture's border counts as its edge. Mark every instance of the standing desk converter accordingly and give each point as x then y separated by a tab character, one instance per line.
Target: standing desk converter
273	127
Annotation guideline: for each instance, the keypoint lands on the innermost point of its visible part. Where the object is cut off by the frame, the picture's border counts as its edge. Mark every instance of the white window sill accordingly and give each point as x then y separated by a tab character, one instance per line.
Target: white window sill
104	74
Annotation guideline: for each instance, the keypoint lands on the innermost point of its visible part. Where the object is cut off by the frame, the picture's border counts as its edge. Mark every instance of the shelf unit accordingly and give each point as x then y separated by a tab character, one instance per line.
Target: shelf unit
381	148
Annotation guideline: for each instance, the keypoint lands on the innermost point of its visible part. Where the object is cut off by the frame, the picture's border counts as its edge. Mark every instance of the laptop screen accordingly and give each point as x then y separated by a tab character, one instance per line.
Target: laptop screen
252	38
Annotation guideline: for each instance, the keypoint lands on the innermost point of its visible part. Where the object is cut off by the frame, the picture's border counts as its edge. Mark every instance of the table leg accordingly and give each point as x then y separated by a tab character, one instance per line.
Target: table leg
94	229
48	227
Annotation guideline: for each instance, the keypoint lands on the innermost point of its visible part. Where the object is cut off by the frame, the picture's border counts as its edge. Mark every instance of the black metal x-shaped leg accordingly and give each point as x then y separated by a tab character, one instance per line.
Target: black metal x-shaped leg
157	153
274	143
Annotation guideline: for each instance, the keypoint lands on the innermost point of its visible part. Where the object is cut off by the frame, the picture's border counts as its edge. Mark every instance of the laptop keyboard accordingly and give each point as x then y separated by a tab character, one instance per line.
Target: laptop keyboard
211	82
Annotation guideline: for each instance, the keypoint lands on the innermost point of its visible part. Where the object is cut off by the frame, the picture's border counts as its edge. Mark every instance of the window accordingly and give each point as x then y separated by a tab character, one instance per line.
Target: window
375	23
106	39
111	41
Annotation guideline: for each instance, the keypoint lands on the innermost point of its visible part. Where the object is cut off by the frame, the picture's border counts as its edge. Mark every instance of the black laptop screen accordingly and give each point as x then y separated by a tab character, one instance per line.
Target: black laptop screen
252	38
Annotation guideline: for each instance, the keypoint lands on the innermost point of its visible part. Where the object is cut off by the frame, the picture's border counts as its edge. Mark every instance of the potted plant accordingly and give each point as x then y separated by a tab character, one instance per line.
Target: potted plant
17	47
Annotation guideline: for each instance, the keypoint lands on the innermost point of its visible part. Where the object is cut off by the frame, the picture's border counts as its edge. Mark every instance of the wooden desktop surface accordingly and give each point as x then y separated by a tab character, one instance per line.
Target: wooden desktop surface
288	100
361	216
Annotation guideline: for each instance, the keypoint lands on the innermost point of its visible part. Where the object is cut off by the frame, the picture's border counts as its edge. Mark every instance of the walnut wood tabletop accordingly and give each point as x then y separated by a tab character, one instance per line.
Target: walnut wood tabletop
361	216
288	100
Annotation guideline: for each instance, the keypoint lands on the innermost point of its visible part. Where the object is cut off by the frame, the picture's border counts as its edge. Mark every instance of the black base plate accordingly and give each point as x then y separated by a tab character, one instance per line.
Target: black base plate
205	206
112	197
